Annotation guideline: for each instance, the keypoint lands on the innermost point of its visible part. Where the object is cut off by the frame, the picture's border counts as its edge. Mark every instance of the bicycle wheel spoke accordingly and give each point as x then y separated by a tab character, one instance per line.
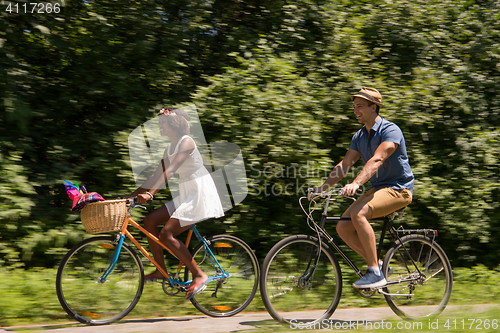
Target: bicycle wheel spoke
280	290
432	260
424	295
227	296
241	264
291	290
434	274
82	294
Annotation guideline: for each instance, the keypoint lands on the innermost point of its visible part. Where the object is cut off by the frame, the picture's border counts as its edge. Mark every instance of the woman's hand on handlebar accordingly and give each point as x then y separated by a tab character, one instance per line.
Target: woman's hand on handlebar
143	198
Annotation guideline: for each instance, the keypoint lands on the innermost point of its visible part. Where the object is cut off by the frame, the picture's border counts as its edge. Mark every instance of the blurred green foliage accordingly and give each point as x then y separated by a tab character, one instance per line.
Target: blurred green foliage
273	77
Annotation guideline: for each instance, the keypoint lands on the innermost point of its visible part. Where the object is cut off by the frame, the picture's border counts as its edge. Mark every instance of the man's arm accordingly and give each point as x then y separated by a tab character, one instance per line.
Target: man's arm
384	150
340	170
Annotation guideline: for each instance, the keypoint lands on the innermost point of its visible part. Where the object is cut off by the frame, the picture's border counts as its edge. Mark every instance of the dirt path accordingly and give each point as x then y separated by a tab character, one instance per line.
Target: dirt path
243	322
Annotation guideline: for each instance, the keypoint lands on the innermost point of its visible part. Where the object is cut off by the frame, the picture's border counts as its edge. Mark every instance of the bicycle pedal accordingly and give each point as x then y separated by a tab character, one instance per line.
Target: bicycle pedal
370	290
366	293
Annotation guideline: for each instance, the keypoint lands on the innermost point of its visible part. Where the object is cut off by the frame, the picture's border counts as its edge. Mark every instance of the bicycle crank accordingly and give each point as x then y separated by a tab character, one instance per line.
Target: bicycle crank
170	289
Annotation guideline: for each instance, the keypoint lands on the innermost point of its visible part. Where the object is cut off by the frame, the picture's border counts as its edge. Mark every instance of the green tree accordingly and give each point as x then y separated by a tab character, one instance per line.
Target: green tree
72	84
435	63
273	77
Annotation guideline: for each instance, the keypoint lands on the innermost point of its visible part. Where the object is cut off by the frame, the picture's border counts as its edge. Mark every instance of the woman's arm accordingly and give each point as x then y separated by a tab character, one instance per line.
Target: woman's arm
153	180
167	171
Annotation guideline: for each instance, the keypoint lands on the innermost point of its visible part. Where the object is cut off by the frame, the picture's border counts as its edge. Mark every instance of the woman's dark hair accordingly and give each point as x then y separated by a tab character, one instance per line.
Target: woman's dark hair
178	119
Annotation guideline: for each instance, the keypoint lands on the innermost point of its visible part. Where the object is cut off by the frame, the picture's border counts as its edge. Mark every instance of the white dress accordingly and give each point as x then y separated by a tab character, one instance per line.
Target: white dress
198	198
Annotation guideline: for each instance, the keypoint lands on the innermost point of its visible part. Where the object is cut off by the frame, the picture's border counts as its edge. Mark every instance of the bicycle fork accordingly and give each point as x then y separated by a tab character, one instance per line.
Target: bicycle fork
215	263
114	259
305	279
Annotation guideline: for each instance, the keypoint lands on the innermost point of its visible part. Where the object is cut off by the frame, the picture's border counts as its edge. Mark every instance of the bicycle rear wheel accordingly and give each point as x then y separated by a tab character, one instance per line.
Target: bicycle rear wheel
78	285
226	296
427	295
290	294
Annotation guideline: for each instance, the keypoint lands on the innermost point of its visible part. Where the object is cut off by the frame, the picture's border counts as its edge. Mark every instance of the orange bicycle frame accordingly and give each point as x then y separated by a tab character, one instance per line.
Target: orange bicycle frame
127	233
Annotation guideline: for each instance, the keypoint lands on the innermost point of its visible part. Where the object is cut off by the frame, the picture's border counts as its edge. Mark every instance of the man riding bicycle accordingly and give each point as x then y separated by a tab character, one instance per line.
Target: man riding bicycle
381	146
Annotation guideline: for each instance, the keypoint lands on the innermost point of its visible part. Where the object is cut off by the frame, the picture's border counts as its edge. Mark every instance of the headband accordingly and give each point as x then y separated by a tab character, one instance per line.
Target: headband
171	113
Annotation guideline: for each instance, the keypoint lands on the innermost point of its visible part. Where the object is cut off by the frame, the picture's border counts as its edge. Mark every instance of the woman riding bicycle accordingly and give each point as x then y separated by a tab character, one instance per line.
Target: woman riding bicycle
198	197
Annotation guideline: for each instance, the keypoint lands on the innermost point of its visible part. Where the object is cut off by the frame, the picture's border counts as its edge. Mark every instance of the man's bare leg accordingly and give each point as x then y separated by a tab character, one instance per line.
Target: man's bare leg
366	235
347	232
359	235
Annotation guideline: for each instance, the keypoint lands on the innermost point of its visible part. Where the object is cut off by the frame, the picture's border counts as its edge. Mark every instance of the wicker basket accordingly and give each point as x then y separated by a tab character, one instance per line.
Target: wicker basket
104	216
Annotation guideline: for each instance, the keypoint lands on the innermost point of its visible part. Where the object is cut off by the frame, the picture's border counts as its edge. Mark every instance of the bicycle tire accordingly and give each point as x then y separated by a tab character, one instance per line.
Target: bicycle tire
86	299
228	296
431	296
283	295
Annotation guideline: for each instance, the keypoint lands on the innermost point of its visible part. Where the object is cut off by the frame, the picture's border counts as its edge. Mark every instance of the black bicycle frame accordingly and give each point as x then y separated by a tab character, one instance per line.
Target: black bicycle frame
322	232
331	240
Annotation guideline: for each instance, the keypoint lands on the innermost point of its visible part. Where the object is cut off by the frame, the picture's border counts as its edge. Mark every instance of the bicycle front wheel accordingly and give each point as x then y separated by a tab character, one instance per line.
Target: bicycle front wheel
229	295
295	292
79	287
417	295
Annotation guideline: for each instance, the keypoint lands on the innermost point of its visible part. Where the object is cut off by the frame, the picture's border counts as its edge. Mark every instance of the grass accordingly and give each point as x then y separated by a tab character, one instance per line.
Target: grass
23	291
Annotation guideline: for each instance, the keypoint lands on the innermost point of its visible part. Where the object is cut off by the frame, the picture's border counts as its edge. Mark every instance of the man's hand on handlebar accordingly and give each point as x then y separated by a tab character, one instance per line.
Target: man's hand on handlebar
313	192
350	190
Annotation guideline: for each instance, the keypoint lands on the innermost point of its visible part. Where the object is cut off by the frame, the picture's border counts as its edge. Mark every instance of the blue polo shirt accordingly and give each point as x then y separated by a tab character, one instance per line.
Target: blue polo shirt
395	172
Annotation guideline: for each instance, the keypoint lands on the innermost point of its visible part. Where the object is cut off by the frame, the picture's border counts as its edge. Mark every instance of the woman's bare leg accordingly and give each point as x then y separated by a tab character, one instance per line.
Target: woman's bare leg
167	236
159	217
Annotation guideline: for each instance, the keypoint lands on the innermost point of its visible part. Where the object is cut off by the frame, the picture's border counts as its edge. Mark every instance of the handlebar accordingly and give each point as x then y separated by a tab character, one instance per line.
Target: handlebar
311	193
132	203
325	194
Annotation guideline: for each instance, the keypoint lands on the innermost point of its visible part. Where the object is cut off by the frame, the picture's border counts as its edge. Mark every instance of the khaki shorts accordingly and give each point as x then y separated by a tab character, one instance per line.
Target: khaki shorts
384	201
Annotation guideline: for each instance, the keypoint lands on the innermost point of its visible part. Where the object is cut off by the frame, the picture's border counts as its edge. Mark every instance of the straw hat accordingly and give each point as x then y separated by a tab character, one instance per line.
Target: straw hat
370	94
